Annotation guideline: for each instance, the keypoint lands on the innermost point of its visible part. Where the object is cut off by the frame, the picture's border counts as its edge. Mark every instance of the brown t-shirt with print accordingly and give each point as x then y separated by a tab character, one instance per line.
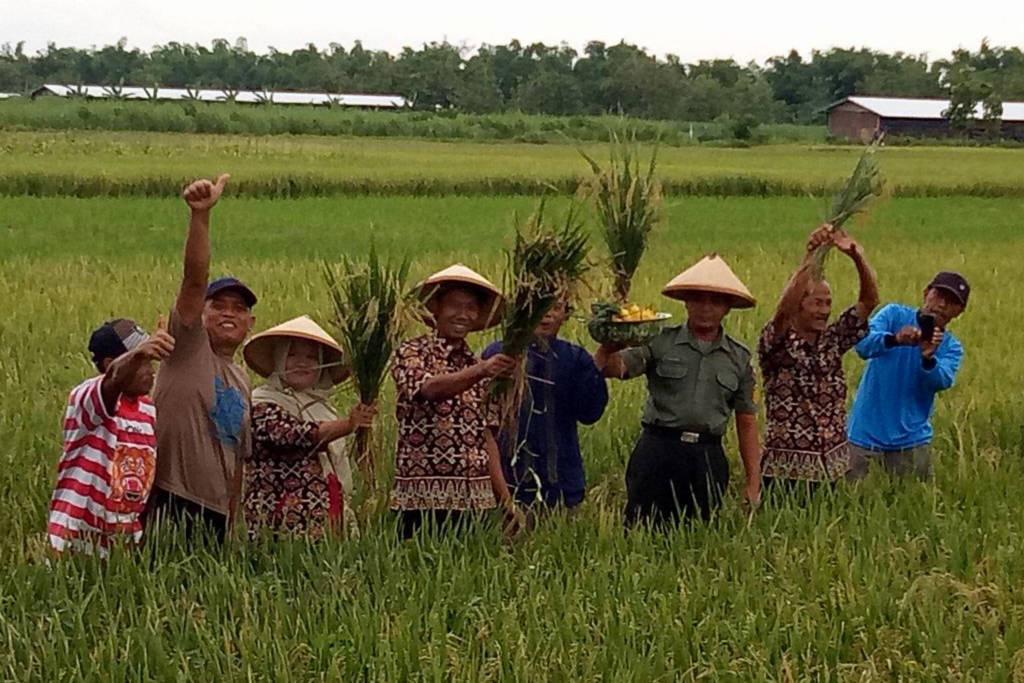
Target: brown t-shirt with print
203	432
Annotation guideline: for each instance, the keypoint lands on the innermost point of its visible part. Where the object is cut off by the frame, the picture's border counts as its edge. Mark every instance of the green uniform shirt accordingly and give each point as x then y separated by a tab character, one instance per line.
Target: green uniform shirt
693	385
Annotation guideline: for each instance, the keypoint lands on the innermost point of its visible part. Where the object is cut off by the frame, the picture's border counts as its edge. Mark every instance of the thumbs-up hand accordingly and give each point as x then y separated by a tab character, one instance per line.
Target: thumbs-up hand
202	194
160	344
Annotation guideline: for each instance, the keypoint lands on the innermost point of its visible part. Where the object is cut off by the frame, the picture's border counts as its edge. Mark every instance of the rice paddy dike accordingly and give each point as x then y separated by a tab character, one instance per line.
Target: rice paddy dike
879	581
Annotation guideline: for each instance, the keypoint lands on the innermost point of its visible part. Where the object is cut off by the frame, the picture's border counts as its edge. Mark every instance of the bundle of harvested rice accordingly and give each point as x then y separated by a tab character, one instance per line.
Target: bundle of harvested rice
544	266
371	314
861	188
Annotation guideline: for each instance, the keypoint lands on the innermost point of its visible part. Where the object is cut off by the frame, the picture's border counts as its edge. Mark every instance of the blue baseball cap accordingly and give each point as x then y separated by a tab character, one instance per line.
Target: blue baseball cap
231	283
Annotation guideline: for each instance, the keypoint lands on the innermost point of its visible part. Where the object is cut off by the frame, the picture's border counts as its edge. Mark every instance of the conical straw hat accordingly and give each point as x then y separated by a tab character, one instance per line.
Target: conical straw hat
259	351
458	274
710	274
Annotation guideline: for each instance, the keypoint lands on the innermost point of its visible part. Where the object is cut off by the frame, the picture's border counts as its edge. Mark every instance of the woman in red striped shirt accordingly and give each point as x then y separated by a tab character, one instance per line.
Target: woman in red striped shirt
109	459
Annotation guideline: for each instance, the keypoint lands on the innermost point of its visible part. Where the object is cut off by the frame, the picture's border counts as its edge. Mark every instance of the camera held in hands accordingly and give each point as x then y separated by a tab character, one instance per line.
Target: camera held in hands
926	321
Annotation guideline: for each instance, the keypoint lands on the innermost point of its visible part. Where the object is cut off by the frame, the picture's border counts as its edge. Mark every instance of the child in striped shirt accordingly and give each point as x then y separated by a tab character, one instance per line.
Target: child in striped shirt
109	458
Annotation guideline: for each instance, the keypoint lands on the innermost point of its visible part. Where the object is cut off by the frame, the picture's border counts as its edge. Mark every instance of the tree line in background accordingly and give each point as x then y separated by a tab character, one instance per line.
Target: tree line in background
546	79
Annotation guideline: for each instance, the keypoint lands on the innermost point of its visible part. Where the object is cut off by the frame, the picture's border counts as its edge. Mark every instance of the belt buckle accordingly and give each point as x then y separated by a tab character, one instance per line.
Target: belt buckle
689	437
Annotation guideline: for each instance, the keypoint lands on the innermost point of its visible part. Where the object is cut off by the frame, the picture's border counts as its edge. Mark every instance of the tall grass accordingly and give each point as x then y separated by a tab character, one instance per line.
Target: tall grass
878	581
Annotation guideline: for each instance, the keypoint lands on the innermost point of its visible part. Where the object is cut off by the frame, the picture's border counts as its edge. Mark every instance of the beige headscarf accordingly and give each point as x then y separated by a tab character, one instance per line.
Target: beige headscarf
311	404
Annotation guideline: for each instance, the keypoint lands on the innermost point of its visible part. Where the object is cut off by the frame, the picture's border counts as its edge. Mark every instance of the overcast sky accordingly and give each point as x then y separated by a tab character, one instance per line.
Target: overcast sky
743	31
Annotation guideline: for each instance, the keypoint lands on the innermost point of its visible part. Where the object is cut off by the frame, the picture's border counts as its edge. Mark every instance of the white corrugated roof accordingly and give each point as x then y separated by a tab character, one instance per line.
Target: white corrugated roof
244	96
8	95
909	108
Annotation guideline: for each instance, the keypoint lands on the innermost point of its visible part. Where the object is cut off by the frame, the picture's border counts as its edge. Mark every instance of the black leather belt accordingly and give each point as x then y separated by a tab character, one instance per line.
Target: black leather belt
683	435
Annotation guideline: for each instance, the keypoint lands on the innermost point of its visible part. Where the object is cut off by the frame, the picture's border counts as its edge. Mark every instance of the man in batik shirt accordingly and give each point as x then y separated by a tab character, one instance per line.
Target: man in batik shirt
447	467
801	357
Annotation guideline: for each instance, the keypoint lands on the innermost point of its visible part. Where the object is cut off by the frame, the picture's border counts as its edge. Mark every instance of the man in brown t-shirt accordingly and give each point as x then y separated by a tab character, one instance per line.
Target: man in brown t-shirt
201	394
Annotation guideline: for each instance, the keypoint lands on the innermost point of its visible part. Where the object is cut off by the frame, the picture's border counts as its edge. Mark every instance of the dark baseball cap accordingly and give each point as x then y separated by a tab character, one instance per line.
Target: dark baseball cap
231	283
952	282
113	338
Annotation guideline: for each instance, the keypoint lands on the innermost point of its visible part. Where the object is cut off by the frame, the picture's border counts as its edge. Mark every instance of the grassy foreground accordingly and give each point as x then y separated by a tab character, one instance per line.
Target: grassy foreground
87	164
878	581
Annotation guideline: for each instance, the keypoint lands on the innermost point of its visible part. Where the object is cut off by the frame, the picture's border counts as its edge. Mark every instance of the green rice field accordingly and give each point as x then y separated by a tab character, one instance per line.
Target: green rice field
92	163
876	581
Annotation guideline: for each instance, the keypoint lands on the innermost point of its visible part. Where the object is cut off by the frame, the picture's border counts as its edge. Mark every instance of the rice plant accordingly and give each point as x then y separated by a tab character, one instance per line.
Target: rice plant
544	266
856	196
370	318
628	201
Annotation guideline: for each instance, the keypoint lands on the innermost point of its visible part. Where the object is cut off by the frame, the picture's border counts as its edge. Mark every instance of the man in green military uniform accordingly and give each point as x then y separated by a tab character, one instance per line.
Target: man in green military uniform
697	376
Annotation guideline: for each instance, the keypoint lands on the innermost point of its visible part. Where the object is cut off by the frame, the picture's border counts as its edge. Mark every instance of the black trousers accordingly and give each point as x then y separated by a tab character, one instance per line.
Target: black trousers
667	479
183	512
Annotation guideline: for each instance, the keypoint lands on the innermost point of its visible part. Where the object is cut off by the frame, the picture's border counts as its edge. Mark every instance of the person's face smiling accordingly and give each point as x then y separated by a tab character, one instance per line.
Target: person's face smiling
227	319
815	307
458	311
302	364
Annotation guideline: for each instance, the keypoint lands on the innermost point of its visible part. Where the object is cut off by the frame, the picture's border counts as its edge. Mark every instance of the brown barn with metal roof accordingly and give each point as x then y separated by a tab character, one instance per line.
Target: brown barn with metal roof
859	118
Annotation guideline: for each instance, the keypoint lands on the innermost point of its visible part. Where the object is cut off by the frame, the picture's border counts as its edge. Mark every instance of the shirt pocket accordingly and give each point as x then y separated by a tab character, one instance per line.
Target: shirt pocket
671	369
728	380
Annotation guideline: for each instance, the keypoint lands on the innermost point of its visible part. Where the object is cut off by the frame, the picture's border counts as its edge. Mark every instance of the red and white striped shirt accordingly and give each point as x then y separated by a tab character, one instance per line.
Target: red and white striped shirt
106	471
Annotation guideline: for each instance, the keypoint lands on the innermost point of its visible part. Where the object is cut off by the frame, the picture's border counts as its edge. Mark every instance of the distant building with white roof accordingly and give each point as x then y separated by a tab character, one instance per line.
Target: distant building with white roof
128	92
859	118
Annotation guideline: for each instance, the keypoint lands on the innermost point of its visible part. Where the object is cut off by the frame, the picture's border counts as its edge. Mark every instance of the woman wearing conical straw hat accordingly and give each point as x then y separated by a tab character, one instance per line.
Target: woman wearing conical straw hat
299	479
697	375
447	466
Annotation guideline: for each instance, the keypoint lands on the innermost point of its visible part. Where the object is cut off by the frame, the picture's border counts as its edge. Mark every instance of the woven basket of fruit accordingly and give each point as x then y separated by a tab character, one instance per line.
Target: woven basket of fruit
626	325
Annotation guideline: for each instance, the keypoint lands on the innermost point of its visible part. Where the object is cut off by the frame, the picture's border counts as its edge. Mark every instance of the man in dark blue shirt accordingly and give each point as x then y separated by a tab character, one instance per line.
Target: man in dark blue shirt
564	389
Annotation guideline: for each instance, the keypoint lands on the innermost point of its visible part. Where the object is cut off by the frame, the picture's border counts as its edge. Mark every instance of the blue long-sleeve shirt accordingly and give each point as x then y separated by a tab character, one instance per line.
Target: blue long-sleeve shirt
565	389
894	402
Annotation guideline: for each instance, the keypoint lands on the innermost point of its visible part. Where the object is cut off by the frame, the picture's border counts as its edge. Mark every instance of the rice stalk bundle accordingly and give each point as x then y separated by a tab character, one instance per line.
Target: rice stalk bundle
544	265
370	319
628	200
861	188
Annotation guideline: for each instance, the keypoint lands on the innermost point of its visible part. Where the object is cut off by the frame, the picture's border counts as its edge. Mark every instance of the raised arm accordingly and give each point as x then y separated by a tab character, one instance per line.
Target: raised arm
868	298
796	288
121	372
200	196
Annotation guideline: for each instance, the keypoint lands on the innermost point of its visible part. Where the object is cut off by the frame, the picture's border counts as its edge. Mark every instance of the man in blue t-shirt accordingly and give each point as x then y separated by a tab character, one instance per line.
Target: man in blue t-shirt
565	389
891	418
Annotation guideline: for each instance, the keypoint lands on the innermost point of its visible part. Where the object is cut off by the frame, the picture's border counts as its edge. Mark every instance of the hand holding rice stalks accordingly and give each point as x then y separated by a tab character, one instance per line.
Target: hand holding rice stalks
860	190
544	265
370	317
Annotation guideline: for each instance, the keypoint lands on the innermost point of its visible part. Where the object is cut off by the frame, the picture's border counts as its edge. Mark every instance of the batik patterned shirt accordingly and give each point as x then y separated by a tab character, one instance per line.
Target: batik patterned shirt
441	459
805	399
